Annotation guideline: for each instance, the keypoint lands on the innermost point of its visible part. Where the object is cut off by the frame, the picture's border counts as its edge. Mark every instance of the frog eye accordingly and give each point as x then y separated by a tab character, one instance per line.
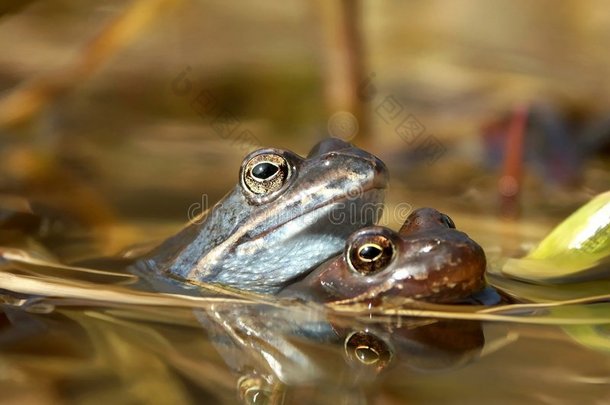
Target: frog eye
368	350
265	173
447	221
370	253
254	389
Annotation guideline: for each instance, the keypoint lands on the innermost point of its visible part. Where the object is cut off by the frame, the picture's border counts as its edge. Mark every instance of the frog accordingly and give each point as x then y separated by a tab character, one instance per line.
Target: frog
428	259
285	216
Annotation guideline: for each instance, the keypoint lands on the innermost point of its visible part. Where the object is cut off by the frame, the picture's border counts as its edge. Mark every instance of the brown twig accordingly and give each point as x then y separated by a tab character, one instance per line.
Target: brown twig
29	98
344	52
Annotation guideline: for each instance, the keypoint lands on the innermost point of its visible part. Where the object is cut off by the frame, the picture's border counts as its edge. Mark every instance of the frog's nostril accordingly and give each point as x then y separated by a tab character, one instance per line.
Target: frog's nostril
382	175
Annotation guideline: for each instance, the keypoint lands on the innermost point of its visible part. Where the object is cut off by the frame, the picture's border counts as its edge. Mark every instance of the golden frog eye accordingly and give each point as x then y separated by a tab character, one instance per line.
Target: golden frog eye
265	173
254	390
370	253
368	350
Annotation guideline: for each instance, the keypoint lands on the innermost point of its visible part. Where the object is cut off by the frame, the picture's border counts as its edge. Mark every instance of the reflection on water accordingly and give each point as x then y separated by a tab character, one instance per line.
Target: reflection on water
84	336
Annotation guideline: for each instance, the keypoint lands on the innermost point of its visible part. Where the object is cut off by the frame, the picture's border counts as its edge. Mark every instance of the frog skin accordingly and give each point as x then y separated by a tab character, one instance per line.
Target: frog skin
286	215
428	259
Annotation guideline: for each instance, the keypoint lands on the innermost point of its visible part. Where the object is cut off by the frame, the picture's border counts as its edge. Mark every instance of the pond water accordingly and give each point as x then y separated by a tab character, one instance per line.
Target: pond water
164	355
74	335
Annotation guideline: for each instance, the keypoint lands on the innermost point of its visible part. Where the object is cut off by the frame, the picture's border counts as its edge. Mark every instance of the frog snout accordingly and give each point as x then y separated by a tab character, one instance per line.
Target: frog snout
382	175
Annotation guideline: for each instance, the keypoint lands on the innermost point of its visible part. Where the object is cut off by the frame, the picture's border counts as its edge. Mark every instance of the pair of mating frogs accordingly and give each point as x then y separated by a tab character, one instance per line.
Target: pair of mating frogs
281	230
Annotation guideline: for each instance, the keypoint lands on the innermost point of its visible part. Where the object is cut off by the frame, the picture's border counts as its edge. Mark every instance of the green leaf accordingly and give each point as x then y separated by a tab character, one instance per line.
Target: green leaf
578	249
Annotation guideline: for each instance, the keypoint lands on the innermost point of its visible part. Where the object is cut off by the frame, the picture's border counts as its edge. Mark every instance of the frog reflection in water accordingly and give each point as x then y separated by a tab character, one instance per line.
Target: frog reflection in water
286	215
428	259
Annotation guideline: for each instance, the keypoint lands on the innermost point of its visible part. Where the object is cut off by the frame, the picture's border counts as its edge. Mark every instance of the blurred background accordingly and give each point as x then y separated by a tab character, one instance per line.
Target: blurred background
119	119
121	115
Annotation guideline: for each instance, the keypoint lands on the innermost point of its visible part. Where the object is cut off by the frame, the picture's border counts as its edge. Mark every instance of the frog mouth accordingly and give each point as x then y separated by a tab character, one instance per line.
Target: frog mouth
359	201
364	199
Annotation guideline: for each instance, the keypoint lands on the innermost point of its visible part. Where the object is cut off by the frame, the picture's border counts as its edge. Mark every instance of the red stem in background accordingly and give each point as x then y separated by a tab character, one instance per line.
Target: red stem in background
509	184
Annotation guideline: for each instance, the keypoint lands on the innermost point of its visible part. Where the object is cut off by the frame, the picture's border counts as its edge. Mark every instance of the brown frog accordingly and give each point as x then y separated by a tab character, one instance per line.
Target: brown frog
428	259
